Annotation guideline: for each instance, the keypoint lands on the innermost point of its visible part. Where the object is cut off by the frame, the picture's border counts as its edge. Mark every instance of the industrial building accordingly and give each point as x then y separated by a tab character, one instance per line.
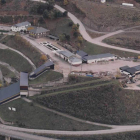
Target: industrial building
40	70
97	58
23	84
80	54
69	57
10	92
131	71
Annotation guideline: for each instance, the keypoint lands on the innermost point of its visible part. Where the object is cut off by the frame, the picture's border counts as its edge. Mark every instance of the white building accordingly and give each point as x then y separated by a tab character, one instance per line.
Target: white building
20	26
69	57
100	57
103	1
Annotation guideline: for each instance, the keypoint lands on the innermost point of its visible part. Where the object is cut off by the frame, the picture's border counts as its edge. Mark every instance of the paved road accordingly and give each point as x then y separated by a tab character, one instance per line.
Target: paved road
21	135
97	41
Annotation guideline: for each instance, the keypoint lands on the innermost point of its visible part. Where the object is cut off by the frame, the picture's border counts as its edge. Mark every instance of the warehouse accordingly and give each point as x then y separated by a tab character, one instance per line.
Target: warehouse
97	58
69	57
10	92
74	61
81	54
131	71
40	70
23	84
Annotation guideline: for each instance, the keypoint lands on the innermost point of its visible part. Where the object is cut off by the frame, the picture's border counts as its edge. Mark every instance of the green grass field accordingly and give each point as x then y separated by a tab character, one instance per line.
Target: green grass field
20	44
31	116
104	102
46	77
15	60
6	72
125	40
95	49
62	26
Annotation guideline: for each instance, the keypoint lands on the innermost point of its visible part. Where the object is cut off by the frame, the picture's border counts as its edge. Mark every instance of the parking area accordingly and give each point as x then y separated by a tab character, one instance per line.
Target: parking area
61	65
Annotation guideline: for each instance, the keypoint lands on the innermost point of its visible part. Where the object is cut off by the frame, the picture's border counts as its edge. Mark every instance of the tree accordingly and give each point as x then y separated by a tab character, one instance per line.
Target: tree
43	57
65	14
45	14
80	39
65	2
3	2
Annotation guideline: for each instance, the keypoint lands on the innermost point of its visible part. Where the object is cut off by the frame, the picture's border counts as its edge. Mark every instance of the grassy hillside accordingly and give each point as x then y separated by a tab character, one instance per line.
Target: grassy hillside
125	40
20	44
15	60
31	116
104	17
105	103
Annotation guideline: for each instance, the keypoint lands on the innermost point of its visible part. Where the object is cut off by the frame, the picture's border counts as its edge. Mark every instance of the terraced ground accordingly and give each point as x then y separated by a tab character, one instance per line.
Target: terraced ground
20	44
98	100
6	72
15	60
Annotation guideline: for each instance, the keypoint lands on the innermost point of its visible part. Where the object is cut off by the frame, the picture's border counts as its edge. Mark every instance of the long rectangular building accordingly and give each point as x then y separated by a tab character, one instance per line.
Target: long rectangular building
97	58
10	92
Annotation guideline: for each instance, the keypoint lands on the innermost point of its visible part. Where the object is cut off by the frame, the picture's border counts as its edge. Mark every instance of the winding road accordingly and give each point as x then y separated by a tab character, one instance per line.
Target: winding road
17	132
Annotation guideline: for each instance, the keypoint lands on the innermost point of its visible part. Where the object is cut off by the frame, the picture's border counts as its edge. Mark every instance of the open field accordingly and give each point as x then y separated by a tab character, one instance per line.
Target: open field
6	72
59	26
46	77
119	136
31	116
104	17
20	44
105	103
95	49
15	60
128	40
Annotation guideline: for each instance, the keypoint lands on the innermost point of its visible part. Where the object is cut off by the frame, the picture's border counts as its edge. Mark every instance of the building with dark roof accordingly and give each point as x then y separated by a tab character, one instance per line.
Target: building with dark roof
38	32
130	71
40	70
10	92
81	54
100	57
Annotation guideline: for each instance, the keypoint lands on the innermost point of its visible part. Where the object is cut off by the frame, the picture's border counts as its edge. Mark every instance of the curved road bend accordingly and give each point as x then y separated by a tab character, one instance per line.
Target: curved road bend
97	41
18	132
21	135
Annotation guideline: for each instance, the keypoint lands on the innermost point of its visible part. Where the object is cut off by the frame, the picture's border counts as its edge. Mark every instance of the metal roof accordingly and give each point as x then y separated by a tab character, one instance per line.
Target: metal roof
47	64
23	79
38	30
66	53
82	53
75	59
26	23
124	68
131	70
10	91
137	68
91	57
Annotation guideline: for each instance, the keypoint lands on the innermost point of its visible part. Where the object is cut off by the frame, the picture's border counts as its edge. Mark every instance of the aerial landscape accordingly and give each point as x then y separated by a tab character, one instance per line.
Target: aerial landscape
69	69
